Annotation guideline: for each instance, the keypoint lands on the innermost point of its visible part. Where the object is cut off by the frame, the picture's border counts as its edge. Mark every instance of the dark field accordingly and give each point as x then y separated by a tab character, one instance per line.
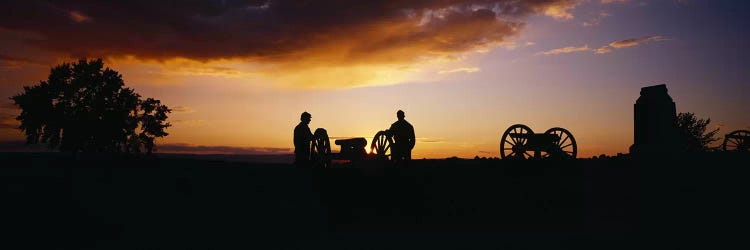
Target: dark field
55	201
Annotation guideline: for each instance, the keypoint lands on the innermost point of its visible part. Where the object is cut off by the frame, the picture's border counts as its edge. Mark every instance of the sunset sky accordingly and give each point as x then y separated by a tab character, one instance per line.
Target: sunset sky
239	73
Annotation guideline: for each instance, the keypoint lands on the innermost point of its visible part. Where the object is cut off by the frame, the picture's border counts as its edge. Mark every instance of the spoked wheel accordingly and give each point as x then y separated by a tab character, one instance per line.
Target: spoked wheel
564	148
320	149
381	145
513	144
737	141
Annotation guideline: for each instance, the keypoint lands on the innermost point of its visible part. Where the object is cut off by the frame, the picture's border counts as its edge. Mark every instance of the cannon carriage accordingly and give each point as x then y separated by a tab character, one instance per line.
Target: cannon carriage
738	140
352	149
520	142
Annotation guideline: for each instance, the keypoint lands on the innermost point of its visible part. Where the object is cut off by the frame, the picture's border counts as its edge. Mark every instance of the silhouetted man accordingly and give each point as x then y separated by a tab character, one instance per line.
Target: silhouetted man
302	138
403	138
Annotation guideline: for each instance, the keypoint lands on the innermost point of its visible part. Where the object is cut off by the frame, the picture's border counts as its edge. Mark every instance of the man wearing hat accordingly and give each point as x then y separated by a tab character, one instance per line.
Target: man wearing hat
302	138
403	138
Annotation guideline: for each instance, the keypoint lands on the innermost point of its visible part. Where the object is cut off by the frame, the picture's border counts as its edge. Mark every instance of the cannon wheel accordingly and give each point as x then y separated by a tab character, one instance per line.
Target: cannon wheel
515	148
381	145
320	149
566	144
736	141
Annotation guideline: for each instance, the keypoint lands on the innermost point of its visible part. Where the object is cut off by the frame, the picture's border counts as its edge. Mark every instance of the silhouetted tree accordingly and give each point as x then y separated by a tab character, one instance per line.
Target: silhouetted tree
693	132
83	106
152	117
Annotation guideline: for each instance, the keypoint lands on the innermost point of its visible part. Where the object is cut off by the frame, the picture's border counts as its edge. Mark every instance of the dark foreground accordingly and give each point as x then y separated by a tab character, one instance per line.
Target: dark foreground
53	201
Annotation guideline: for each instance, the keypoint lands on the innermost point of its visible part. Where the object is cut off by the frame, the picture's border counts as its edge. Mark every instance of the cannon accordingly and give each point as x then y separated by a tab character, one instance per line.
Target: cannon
556	143
738	140
352	149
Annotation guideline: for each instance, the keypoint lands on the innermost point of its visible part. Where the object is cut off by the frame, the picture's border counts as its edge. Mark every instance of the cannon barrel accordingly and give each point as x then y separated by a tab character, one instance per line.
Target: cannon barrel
352	149
353	142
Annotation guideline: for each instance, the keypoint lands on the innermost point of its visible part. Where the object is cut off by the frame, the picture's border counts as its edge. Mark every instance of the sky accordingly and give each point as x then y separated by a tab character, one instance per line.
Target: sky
238	74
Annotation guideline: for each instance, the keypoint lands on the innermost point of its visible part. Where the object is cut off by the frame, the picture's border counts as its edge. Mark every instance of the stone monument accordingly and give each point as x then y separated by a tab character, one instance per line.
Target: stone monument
655	122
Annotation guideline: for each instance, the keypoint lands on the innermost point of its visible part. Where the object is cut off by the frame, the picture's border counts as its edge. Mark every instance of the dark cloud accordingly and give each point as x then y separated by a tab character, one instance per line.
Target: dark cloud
198	149
325	31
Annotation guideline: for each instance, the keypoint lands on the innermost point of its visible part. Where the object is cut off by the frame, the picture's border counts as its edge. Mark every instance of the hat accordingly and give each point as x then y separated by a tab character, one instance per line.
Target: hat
305	115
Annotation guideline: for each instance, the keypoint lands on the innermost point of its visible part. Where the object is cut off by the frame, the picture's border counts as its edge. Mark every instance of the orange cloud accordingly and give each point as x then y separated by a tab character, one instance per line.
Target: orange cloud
560	10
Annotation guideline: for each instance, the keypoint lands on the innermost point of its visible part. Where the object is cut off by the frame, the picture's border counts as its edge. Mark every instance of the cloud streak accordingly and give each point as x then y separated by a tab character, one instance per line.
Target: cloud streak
8	121
8	104
429	140
613	1
629	43
565	50
182	109
13	59
200	149
13	62
632	42
189	123
636	41
464	70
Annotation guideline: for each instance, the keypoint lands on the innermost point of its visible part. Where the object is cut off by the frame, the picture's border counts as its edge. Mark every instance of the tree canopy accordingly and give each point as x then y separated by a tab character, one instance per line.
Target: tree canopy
83	106
693	132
